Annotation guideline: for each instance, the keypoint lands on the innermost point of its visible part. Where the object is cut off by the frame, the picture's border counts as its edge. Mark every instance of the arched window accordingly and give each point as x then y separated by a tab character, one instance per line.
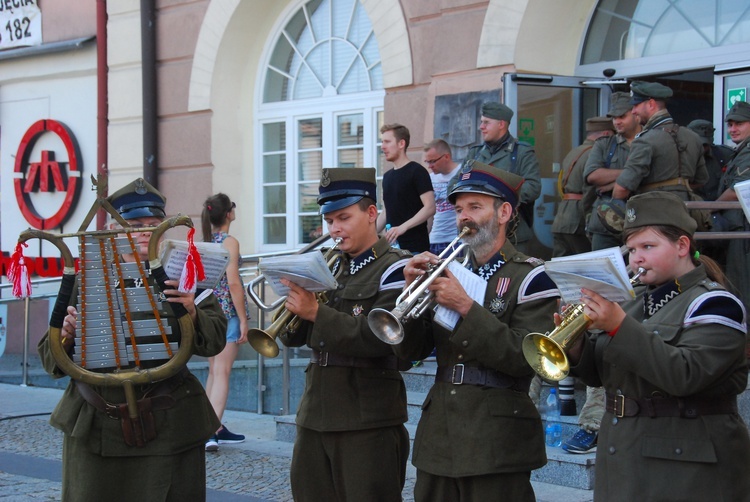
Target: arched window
320	106
627	29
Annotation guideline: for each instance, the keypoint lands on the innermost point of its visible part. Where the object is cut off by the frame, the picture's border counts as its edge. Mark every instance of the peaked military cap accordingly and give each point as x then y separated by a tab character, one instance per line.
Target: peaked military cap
643	91
596	124
619	104
497	111
658	208
341	187
740	112
476	177
138	200
704	129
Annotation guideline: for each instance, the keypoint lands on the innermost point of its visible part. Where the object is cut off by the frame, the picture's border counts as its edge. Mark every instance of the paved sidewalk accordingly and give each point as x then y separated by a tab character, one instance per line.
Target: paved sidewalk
254	471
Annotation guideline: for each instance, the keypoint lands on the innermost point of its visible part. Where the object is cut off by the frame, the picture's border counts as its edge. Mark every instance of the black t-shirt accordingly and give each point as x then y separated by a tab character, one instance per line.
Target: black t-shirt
402	189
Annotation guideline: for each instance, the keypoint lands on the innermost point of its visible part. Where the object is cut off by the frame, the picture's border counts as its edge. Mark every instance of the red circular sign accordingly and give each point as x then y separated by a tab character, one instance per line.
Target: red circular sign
72	184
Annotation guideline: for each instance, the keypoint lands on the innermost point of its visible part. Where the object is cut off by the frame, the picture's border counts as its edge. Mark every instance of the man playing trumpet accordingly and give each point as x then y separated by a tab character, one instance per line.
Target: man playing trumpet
351	442
480	434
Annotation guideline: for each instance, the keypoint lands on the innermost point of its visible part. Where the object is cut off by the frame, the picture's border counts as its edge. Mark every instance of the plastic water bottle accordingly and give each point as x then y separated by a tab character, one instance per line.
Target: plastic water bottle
553	430
395	243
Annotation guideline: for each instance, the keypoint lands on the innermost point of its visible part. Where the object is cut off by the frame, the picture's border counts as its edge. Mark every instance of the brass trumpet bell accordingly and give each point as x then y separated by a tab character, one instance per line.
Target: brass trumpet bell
547	353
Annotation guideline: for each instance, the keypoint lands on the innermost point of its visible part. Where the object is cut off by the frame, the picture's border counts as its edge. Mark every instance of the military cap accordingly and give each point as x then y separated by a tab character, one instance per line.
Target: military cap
497	111
619	104
740	112
341	187
658	208
596	124
138	200
476	177
643	91
704	129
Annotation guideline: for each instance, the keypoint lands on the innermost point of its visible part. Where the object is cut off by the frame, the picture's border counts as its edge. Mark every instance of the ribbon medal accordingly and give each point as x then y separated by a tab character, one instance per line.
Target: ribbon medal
498	304
357	310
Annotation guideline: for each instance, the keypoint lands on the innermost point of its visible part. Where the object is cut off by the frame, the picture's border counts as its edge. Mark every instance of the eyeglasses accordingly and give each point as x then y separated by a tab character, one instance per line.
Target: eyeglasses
433	161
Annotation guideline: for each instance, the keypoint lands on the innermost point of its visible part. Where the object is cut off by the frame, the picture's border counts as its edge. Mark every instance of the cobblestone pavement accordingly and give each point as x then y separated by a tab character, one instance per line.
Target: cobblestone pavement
233	469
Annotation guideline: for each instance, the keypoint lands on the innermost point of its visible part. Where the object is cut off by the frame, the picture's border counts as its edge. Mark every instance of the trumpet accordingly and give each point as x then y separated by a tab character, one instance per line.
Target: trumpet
415	300
264	341
547	353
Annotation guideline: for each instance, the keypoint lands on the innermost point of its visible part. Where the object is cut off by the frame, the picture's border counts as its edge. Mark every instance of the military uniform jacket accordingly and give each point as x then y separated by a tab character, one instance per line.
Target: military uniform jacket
683	339
571	214
526	166
341	398
738	169
657	155
600	158
185	425
468	430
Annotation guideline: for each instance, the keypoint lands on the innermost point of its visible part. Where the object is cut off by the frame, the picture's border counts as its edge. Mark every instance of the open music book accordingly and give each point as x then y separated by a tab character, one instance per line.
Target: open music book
602	271
213	255
742	189
309	271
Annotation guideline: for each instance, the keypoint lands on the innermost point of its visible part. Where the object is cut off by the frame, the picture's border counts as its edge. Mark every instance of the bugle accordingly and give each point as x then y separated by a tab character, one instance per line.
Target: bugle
547	353
264	341
415	300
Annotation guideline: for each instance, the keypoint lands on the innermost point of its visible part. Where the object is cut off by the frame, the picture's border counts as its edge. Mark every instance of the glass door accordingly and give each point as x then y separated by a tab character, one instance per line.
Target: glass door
551	113
731	84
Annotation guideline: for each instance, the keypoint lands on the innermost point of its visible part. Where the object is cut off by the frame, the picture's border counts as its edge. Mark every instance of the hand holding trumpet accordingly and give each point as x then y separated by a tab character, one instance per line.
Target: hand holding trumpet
447	290
301	302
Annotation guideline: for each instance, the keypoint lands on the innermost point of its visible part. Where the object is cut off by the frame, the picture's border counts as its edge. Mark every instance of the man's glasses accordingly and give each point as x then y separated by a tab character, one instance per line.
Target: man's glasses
433	161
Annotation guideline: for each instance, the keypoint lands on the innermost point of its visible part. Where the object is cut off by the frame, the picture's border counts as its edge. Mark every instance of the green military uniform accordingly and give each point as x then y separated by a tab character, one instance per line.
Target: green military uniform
738	250
664	157
607	153
672	373
479	429
517	157
569	226
351	442
97	462
716	157
98	465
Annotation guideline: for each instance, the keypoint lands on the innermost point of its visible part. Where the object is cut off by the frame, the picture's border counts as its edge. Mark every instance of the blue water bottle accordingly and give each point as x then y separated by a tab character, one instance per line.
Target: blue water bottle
553	430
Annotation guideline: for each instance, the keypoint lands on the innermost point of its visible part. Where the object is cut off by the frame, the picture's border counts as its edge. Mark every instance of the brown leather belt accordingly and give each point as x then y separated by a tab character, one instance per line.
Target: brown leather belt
622	406
666	183
572	196
461	374
331	359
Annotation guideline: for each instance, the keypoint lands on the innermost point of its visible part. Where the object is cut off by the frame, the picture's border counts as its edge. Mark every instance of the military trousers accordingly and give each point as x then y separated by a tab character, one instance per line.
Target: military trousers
91	477
515	486
592	411
364	465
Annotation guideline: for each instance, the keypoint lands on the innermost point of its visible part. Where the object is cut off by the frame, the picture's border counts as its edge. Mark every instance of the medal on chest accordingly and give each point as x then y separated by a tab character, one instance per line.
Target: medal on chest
499	304
357	310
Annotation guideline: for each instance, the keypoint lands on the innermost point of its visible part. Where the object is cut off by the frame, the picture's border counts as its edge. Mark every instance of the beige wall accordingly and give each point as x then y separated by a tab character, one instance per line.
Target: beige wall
208	57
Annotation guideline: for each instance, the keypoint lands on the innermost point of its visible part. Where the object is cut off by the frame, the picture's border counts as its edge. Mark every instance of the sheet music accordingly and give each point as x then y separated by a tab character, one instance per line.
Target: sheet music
214	257
474	286
602	271
309	271
742	189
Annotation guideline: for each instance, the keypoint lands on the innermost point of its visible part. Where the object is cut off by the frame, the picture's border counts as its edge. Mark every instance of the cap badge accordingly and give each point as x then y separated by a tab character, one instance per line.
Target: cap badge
326	180
630	215
468	166
140	186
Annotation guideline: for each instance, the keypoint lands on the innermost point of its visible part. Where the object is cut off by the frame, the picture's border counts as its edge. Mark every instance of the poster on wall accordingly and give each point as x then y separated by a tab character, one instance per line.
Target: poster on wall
20	24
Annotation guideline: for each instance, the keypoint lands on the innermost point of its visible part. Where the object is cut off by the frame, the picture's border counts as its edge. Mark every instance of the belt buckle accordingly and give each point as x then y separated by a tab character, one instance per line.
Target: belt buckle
621	414
112	411
323	359
453	375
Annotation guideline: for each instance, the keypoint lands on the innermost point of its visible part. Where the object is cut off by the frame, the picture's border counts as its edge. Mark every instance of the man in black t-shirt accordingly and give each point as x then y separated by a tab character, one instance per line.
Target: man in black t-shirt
408	197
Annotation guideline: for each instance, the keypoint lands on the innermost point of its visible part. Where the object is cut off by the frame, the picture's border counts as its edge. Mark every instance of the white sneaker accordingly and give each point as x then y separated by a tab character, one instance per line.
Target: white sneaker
212	444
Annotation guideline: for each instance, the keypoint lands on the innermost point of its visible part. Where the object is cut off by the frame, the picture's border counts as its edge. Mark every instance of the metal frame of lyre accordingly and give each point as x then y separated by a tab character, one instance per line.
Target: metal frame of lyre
106	305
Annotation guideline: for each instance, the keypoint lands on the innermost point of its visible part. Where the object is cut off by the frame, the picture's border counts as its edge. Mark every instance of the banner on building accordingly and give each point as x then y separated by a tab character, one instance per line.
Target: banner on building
20	23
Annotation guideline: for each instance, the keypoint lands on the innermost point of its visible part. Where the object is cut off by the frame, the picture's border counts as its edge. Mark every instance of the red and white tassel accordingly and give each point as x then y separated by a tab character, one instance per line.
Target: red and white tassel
192	272
18	272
